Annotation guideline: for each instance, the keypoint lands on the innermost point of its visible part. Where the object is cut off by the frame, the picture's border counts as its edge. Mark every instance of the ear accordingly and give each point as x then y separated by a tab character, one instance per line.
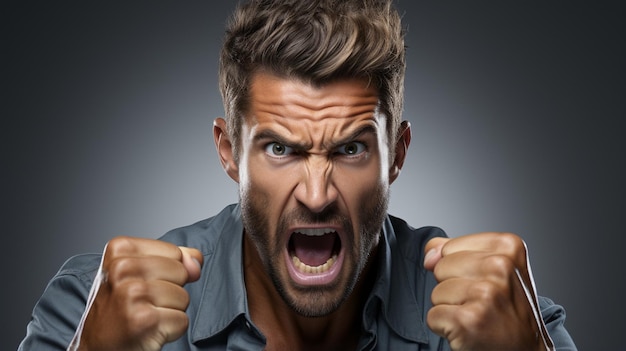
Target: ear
224	148
402	147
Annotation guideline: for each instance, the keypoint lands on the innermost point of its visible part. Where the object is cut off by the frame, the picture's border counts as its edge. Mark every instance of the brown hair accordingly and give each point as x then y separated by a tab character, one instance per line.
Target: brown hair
316	41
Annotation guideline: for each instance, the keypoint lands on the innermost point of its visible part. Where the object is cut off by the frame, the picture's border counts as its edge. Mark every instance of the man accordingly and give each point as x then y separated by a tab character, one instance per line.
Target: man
309	258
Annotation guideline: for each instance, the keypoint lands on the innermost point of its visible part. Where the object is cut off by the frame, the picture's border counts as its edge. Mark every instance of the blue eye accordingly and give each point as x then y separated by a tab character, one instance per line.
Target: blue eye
351	148
277	149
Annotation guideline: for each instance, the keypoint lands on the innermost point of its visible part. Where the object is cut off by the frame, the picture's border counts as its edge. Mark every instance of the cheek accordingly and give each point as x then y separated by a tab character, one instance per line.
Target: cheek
266	187
357	188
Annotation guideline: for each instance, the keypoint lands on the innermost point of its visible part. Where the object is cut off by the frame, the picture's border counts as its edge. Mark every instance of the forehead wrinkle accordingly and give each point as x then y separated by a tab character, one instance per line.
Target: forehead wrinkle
305	133
326	128
294	97
330	106
310	115
326	137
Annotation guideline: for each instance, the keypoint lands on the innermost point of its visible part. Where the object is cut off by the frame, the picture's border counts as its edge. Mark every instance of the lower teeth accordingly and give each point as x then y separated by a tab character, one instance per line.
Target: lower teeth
305	268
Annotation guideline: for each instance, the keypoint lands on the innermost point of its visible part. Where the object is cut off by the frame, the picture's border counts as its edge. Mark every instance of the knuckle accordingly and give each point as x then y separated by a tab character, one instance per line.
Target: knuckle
488	293
120	246
514	246
120	268
498	267
136	290
143	320
131	295
483	291
472	318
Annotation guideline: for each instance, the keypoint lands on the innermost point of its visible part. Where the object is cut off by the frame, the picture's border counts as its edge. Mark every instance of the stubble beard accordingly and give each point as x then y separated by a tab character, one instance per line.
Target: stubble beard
323	300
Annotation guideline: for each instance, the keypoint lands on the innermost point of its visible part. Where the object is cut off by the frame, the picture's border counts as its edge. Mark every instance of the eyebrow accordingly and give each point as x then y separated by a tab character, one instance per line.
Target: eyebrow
366	129
275	137
268	134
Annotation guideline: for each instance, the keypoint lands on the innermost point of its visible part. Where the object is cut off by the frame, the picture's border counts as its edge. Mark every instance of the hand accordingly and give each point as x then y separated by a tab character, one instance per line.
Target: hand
485	298
141	302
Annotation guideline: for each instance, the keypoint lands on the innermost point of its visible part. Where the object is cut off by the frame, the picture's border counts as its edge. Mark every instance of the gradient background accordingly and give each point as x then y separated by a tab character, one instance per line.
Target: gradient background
518	125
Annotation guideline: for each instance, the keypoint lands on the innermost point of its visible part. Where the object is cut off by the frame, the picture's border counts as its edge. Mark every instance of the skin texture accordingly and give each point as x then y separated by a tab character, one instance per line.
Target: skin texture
316	157
141	304
486	298
311	157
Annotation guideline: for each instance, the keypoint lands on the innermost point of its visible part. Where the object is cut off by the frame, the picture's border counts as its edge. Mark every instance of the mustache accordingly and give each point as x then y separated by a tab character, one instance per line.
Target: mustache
330	215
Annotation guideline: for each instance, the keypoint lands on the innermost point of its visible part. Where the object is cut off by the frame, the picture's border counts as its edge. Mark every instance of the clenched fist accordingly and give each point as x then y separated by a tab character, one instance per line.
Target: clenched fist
485	298
141	302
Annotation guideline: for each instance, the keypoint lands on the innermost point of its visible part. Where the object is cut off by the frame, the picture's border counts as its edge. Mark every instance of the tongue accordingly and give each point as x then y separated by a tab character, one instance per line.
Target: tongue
313	250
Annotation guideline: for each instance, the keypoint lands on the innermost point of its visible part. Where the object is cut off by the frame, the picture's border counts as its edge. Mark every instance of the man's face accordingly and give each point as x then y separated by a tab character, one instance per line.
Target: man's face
314	186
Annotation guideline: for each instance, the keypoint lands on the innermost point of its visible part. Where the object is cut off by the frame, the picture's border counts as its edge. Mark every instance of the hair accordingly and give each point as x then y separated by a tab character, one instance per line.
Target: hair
318	42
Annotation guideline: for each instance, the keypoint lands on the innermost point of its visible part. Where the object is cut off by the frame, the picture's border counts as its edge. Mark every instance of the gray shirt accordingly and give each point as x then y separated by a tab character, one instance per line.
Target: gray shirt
393	318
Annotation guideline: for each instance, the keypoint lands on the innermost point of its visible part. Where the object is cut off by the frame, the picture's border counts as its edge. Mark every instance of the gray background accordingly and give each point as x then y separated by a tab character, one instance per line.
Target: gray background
518	125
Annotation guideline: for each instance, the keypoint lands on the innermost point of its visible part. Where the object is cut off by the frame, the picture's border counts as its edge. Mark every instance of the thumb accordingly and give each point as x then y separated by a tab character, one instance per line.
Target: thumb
433	252
192	260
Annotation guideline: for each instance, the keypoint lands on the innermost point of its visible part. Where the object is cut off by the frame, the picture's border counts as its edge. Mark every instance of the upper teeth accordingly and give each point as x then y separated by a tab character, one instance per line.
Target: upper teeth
315	231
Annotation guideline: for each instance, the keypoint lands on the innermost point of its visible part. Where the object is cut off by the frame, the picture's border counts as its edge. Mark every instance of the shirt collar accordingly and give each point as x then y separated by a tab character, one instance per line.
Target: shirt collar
225	265
223	282
396	289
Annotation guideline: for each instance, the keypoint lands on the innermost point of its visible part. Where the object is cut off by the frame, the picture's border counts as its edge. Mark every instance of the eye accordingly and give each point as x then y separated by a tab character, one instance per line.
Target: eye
352	148
277	149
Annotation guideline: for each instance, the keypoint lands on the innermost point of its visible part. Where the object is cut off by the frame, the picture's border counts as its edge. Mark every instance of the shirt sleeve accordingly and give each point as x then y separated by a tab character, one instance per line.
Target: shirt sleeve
554	318
58	311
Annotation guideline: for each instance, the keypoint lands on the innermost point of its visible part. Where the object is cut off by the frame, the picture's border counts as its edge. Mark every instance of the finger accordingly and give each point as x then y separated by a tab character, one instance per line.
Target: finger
173	324
166	295
158	293
463	326
146	268
497	296
440	320
475	265
192	261
501	243
123	246
137	320
507	244
433	251
451	292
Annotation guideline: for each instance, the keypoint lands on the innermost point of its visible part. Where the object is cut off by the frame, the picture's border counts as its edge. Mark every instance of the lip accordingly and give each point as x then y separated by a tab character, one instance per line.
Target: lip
315	279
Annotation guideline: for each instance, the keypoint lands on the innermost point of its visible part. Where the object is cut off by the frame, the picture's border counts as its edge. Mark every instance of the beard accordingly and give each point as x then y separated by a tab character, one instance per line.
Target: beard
321	300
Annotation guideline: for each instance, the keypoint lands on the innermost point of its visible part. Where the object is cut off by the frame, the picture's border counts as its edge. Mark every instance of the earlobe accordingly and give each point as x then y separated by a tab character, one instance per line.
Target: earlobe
224	148
402	147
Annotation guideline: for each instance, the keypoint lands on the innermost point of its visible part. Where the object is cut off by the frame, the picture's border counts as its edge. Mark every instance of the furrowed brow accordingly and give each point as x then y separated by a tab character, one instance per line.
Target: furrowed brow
267	135
366	129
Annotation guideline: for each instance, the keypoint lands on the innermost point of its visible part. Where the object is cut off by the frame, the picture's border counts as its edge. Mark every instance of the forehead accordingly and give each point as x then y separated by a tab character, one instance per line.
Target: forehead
294	104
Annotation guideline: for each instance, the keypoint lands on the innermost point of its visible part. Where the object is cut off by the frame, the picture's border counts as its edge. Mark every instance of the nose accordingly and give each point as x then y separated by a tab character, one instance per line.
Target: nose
316	190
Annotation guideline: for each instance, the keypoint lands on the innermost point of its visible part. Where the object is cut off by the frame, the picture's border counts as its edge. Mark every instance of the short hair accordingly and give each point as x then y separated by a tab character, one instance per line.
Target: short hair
316	41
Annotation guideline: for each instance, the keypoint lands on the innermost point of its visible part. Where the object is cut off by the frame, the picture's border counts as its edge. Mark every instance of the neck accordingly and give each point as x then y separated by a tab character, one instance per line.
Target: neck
286	329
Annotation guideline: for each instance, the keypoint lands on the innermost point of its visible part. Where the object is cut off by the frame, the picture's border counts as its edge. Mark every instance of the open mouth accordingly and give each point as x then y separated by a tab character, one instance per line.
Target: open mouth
314	255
